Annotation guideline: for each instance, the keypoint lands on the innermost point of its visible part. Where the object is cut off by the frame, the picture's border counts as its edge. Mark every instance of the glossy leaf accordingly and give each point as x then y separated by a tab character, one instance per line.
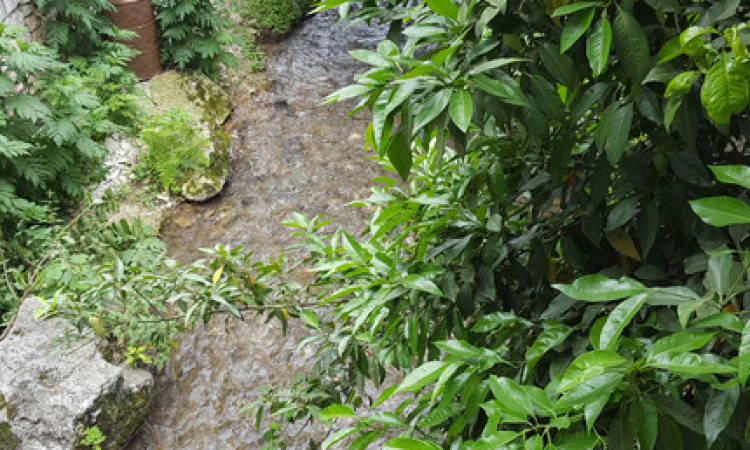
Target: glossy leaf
574	7
445	8
598	46
399	154
644	417
682	84
631	45
504	88
589	365
590	390
689	364
575	27
336	411
461	108
553	335
618	131
721	211
618	319
422	376
682	341
734	174
725	89
718	412
599	288
743	358
409	444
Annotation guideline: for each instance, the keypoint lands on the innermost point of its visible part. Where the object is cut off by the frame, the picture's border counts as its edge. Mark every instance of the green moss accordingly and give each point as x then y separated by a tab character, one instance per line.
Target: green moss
7	440
276	16
120	415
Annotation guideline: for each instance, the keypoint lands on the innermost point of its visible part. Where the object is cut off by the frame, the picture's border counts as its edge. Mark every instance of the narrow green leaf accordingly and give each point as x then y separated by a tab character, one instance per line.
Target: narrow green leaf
718	412
599	288
574	7
644	417
682	341
589	365
503	87
460	348
421	283
618	131
403	443
399	154
618	319
461	109
553	335
631	45
598	46
690	364
335	411
494	64
575	27
336	437
422	376
743	358
432	108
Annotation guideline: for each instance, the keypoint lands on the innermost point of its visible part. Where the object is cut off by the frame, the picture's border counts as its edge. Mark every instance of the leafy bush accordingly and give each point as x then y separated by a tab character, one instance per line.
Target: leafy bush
174	149
194	35
548	284
272	15
51	122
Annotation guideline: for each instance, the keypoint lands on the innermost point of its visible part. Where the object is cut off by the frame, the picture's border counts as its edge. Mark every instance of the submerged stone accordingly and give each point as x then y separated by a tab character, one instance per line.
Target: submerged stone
50	393
208	106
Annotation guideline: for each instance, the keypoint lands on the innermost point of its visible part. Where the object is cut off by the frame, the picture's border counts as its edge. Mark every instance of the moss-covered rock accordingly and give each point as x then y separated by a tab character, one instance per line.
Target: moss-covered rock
208	106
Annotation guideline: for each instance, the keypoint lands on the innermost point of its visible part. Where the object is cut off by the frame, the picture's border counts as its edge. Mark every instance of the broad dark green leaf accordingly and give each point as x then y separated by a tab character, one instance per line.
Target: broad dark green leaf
399	154
618	131
631	45
721	211
421	283
618	319
432	108
644	417
599	288
553	335
575	27
734	174
680	412
718	412
648	227
598	46
494	321
461	109
724	273
622	213
560	66
725	90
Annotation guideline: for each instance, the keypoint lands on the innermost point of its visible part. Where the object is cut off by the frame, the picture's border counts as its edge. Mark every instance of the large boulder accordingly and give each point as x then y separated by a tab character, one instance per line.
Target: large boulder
50	392
208	105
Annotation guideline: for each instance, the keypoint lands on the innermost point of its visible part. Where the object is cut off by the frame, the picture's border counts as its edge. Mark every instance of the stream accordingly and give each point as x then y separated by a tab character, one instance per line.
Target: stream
290	154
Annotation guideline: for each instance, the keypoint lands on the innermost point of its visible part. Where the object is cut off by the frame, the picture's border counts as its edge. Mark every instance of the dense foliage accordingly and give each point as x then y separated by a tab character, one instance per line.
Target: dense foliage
194	35
559	279
174	149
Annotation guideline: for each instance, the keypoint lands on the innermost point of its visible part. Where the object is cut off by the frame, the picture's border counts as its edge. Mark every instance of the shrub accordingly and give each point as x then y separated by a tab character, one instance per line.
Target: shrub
174	149
272	15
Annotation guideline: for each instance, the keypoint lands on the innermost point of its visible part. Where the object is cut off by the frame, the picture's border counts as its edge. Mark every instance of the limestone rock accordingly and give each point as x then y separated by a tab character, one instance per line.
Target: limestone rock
208	105
49	393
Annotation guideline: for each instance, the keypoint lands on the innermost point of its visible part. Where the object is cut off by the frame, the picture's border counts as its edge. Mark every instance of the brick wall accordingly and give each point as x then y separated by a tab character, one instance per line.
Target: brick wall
21	12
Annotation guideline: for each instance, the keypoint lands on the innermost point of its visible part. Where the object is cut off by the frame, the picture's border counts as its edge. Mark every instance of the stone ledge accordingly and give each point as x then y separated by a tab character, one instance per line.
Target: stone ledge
50	393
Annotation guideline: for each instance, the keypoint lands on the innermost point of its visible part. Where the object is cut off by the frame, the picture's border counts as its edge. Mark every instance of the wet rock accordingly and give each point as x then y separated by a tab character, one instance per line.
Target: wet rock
208	106
50	393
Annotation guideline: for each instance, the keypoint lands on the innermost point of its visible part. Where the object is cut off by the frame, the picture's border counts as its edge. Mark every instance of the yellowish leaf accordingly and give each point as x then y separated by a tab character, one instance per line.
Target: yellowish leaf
621	241
217	274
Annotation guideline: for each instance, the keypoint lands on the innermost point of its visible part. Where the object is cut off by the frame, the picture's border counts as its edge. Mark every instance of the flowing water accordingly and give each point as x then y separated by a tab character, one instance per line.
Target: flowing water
290	154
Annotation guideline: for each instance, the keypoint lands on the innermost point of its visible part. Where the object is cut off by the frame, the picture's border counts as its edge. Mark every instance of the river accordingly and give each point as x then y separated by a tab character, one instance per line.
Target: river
290	154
